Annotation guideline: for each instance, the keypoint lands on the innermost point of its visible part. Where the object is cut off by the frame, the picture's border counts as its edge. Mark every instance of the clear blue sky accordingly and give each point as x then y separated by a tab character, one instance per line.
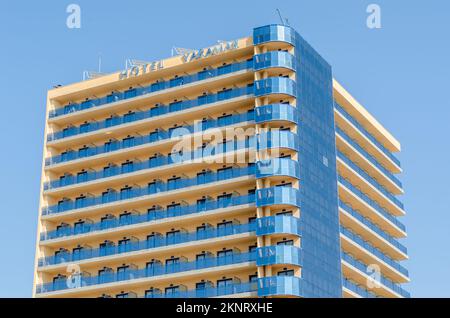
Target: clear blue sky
400	73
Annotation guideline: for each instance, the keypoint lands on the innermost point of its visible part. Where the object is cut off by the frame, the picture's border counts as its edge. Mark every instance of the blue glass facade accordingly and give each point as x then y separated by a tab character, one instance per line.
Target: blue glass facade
321	270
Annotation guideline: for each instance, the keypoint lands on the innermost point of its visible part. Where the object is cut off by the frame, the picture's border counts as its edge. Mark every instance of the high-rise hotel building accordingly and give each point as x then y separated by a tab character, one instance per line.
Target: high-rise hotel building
239	170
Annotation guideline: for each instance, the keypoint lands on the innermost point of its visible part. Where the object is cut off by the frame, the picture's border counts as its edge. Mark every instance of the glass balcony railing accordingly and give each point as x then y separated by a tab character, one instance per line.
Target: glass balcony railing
278	224
280	286
361	291
153	188
373	250
275	85
158	213
357	192
210	291
133	166
373	227
153	242
369	157
155	87
83	280
277	195
277	167
274	59
278	139
154	112
369	179
383	280
369	136
279	255
273	112
273	33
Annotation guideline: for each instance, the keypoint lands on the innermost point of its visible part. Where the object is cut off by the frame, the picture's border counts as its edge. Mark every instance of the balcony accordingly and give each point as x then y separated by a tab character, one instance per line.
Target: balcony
278	196
277	113
273	33
368	135
209	291
280	286
277	167
278	139
155	242
369	157
390	239
274	59
387	283
358	193
358	290
369	248
364	175
155	87
156	214
155	112
132	275
279	255
278	224
156	187
276	85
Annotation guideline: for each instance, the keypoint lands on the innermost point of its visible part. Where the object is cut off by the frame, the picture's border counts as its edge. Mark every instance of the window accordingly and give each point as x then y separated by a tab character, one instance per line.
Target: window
286	242
224	173
224	69
105	275
130	93
171	291
106	248
125	218
201	232
288	185
224	286
172	237
129	117
123	272
107	221
252	248
224	200
177	81
152	292
83	152
173	183
108	196
286	272
224	227
225	120
126	193
203	99
173	209
287	213
78	227
80	202
201	205
224	257
175	106
124	245
84	128
82	176
127	167
202	177
77	253
224	94
128	142
172	264
152	266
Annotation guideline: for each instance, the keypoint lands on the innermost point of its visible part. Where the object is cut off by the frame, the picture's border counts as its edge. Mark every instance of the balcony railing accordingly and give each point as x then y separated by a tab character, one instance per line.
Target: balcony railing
151	243
369	157
278	224
357	192
279	255
357	289
155	87
373	227
129	275
369	136
280	286
274	33
373	250
274	59
210	291
277	195
158	213
369	179
277	167
383	280
151	113
274	112
275	85
153	188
